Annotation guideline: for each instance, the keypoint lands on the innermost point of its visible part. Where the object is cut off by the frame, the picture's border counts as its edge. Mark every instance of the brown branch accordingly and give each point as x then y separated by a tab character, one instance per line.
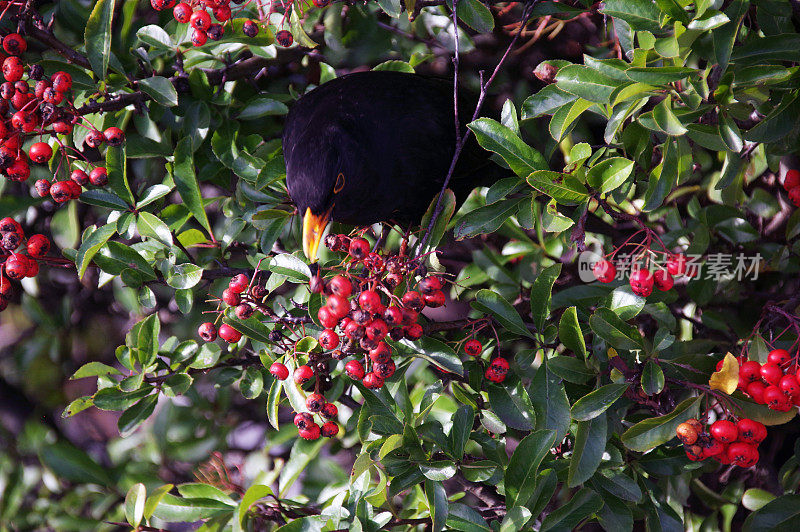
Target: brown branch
38	30
113	103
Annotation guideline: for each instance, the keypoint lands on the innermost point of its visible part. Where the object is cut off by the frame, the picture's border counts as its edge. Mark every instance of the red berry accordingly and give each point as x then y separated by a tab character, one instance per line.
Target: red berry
359	247
751	431
25	122
338	305
372	381
114	136
341	286
231	298
377	330
40	152
791	179
413	301
303	420
430	284
641	282
327	317
713	447
676	264
315	402
229	334
14	44
158	5
374	262
756	391
321	3
50	95
794	196
663	280
329	429
38	246
42	187
62	81
61	191
604	271
413	332
98	177
385	370
776	399
435	299
79	177
285	39
393	316
743	454
182	12
497	370
329	411
771	373
722	457
19	171
198	37
215	32
695	453
328	339
724	431
250	28
750	370
222	13
244	311
311	432
280	371
354	370
302	374
789	385
33	268
16	266
62	128
473	347
353	330
13	69
381	353
239	283
9	224
370	301
778	356
409	316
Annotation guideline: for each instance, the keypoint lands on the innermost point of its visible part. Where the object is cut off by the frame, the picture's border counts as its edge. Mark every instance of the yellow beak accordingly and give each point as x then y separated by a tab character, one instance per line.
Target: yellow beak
314	227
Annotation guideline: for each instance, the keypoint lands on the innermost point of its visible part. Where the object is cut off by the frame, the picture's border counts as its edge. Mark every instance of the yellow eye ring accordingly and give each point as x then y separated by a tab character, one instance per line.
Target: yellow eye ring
339	183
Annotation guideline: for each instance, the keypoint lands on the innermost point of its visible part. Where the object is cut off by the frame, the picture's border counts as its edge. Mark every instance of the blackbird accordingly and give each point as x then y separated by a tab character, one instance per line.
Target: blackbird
375	147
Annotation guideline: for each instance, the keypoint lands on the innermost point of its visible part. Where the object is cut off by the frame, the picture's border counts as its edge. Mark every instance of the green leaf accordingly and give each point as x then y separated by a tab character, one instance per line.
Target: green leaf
91	246
496	137
659	75
564	118
113	398
94	369
151	226
513	406
290	266
303	451
486	219
155	36
105	199
437	504
754	499
542	293
464	518
475	14
97	36
440	470
515	519
178	509
620	335
652	378
490	302
261	107
252	383
653	432
570	334
586	83
448	208
564	188
78	405
774	49
550	402
520	475
463	419
253	494
639	15
779	515
187	184
114	258
609	174
570	369
184	275
546	102
72	464
134	504
745	407
666	120
153	500
137	414
436	352
117	168
590	444
160	89
598	401
580	506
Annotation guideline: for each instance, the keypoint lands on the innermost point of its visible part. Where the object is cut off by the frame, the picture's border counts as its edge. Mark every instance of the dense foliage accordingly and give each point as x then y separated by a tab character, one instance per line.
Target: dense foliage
657	131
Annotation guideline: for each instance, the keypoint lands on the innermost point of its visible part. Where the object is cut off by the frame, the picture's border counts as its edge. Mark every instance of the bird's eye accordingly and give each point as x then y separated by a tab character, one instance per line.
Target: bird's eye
339	183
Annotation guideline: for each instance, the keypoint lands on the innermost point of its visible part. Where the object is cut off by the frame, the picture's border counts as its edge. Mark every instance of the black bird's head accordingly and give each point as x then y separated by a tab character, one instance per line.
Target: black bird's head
315	184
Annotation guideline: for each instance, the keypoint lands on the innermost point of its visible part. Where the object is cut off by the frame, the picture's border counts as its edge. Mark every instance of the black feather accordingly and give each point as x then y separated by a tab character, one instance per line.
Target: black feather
391	135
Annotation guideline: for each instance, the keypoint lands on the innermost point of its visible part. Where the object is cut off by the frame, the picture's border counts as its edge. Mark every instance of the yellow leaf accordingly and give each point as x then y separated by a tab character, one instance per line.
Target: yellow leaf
727	378
611	352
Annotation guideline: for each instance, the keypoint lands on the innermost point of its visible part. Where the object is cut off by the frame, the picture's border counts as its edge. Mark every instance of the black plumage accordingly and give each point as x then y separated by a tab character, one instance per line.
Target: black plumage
376	146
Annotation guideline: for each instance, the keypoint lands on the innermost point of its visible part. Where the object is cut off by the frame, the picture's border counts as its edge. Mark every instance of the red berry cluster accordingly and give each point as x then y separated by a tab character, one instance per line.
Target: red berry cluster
642	280
198	14
244	298
775	384
791	182
47	109
16	265
727	442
